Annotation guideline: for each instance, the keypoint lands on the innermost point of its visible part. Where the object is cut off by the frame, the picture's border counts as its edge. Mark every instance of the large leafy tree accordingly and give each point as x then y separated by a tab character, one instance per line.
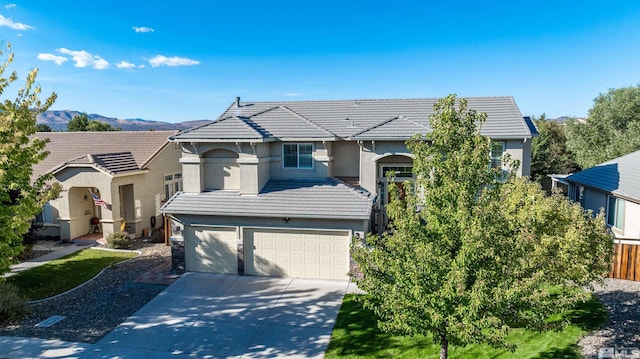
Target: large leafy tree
549	153
21	196
611	130
471	253
82	123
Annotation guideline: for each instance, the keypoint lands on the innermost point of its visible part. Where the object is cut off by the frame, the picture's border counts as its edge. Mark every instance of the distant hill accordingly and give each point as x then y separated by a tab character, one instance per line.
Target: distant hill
58	120
564	119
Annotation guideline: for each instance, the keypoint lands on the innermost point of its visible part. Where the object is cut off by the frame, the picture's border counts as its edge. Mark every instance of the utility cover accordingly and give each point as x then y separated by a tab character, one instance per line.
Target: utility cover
50	321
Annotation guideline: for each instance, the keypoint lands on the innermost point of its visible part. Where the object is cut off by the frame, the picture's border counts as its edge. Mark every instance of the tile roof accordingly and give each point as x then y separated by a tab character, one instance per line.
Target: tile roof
348	118
619	176
112	163
67	147
330	199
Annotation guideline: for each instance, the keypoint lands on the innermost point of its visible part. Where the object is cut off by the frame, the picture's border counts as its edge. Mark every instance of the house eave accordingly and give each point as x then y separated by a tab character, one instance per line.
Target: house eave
222	140
263	215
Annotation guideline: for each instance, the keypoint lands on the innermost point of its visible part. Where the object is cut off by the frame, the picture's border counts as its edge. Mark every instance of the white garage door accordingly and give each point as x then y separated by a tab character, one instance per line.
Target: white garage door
299	253
211	250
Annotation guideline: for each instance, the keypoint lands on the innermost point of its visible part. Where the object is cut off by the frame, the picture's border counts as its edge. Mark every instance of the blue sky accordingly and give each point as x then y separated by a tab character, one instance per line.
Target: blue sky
187	60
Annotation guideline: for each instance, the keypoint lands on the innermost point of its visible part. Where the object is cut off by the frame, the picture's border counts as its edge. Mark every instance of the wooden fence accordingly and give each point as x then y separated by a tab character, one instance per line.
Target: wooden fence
626	262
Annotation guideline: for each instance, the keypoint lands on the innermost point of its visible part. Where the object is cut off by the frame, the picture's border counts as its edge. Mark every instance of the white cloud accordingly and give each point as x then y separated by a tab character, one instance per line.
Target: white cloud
142	29
160	60
125	65
292	94
14	25
58	60
84	59
10	6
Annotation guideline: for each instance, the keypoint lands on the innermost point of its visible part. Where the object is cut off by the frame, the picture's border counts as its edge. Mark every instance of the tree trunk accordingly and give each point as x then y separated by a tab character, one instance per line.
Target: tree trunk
444	347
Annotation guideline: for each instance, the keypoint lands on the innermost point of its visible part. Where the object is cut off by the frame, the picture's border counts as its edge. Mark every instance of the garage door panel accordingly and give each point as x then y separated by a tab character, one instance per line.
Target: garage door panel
211	250
297	253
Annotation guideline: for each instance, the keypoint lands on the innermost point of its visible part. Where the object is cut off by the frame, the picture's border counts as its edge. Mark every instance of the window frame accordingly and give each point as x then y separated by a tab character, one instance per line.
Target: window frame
615	213
46	215
497	161
297	154
172	184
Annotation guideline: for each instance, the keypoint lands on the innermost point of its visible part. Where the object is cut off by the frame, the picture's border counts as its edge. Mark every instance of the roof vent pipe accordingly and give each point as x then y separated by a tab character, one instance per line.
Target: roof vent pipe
237	101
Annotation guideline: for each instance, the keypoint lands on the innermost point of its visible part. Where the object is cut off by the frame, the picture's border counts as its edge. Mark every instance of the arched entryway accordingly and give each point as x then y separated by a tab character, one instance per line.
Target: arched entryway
82	211
401	164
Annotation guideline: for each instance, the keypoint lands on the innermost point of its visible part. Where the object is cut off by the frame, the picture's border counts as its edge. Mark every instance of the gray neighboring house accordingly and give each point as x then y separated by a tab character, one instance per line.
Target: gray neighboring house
613	186
281	188
133	173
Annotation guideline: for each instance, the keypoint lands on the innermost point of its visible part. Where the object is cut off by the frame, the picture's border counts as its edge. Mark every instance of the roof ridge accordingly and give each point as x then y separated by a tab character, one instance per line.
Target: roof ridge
373	99
375	126
245	121
306	119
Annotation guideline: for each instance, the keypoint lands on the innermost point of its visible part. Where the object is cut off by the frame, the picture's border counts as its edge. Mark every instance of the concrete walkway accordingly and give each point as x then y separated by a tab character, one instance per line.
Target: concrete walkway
213	316
36	262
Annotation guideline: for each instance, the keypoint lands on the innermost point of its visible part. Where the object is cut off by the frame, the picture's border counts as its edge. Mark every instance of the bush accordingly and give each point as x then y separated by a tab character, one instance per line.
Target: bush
118	240
13	305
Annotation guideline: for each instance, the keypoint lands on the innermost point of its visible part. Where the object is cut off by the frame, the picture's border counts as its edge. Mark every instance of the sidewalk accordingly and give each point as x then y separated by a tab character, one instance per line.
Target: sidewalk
36	262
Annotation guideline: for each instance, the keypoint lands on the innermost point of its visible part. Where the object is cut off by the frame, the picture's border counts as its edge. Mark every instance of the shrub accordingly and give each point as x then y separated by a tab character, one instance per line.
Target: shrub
118	240
13	305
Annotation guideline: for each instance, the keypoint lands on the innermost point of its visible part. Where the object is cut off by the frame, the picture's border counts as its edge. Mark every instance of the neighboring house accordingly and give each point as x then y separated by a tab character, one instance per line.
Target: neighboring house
281	188
132	173
613	186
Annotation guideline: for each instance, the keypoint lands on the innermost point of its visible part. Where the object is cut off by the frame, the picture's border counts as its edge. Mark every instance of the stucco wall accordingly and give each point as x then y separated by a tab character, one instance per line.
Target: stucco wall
521	151
293	223
72	208
346	159
370	154
320	168
149	187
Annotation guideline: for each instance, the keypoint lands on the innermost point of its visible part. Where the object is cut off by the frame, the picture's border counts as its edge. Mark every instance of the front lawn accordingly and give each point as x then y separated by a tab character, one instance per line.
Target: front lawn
356	335
65	273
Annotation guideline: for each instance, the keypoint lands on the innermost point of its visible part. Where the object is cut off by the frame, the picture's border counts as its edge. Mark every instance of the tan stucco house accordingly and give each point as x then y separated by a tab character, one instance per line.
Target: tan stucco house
281	188
132	173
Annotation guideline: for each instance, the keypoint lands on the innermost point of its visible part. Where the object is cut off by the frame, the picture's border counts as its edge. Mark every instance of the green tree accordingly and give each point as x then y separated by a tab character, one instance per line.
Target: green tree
78	123
471	254
95	125
21	197
43	127
549	153
611	130
82	123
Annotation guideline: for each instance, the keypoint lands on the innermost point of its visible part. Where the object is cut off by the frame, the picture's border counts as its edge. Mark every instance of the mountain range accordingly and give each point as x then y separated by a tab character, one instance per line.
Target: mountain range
58	120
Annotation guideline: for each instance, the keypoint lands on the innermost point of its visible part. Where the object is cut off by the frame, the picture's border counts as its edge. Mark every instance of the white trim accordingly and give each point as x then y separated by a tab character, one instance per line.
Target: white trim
313	150
387	154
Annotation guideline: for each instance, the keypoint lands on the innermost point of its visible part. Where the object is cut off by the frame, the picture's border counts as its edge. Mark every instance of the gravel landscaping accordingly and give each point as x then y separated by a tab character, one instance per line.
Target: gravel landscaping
622	299
100	305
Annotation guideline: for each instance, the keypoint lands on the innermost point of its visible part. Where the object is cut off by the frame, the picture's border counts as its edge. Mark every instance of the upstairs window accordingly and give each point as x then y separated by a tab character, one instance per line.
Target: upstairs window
297	155
615	212
497	151
172	184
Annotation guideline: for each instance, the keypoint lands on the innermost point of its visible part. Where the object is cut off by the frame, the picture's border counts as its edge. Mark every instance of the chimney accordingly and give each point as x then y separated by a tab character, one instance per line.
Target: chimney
238	102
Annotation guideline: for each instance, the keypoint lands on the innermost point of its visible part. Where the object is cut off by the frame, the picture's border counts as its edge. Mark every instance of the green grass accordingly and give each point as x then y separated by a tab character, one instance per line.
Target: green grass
356	335
62	274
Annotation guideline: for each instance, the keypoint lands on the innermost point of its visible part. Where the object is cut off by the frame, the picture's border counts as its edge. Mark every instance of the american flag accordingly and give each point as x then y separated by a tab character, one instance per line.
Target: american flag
97	201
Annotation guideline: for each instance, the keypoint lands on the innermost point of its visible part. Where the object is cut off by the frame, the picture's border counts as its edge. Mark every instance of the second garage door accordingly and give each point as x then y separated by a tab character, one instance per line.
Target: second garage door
297	253
211	250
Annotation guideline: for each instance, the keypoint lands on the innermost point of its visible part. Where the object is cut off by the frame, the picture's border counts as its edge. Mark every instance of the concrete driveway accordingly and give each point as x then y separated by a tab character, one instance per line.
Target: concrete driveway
213	316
